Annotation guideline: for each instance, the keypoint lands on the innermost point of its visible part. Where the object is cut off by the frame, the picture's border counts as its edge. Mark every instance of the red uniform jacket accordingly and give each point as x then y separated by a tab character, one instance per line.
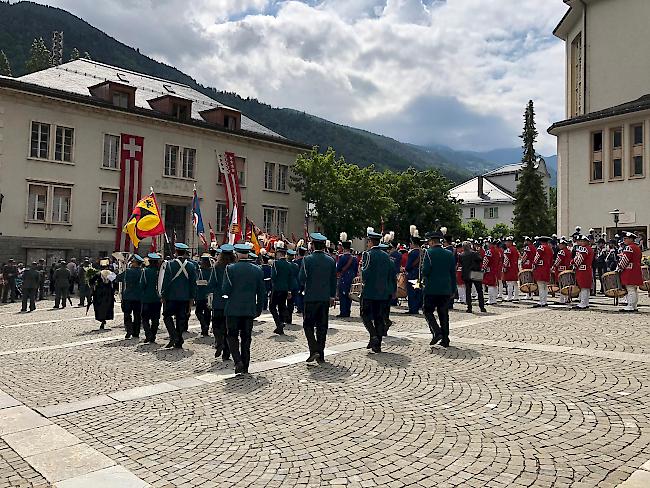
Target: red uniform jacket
562	262
529	256
542	263
500	272
511	264
583	260
491	267
630	266
459	269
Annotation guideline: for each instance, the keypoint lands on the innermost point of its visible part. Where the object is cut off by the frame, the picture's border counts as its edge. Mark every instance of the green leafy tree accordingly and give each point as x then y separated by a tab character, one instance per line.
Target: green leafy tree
474	229
501	230
531	208
552	208
75	54
5	67
39	56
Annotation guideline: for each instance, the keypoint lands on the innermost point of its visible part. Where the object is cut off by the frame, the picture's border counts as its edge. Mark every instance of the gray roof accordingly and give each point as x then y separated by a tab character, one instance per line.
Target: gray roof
77	76
492	193
508	168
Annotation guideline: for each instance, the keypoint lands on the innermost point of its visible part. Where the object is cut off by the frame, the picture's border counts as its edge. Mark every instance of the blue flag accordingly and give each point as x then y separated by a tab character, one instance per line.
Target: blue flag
197	220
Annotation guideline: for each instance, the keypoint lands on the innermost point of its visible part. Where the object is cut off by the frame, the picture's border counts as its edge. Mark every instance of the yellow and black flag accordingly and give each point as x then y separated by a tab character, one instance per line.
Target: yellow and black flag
145	220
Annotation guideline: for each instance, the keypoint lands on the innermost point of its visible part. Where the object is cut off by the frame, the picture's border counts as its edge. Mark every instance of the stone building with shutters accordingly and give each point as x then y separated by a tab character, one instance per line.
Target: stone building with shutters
602	144
60	143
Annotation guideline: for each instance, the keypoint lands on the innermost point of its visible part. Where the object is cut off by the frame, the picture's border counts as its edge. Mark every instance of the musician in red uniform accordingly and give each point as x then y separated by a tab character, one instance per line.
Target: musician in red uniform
491	269
500	272
629	266
542	269
528	255
459	273
511	269
562	263
582	262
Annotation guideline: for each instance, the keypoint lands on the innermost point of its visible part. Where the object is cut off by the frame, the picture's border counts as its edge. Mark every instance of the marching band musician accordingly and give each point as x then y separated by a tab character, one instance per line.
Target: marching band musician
460	284
226	256
511	270
299	260
206	284
413	271
346	269
396	257
629	267
131	296
490	267
542	269
295	286
499	249
281	279
582	262
528	255
150	298
378	277
562	263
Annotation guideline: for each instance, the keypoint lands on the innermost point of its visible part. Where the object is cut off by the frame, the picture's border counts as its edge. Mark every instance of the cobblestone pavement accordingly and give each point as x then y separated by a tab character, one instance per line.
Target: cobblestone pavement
522	398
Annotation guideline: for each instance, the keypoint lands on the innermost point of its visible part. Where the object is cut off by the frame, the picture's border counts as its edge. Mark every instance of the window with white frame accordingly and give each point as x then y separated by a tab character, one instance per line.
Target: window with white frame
596	173
491	213
61	205
189	161
37	202
275	220
472	212
221	223
576	75
40	140
63	144
281	218
283	176
636	166
269	220
269	176
616	154
171	159
111	151
108	209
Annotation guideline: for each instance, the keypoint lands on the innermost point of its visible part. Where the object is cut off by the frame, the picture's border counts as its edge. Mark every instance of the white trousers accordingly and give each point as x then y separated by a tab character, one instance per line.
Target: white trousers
499	289
543	292
462	294
492	295
513	290
632	298
564	298
584	297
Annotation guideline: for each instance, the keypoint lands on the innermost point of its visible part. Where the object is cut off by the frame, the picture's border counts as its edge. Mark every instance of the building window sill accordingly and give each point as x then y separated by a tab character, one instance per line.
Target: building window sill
27	221
271	190
65	224
108	168
617	179
636	177
41	160
102	226
594	182
43	222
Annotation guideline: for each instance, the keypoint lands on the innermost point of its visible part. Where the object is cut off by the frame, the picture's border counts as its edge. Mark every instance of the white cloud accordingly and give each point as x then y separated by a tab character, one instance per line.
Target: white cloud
368	63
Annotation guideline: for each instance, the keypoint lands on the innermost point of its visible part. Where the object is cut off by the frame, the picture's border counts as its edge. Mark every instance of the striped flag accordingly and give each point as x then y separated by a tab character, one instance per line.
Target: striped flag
131	153
230	180
197	220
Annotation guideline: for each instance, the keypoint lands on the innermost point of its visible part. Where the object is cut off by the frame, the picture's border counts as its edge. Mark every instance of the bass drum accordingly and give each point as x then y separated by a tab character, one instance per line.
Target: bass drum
553	287
355	289
645	271
401	286
568	284
612	285
527	283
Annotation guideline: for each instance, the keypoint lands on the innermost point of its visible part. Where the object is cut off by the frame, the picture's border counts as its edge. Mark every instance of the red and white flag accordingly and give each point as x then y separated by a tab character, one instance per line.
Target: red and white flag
131	153
230	180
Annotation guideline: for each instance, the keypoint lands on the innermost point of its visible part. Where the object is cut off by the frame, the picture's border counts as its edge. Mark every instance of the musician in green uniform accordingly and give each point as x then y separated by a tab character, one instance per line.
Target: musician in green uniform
438	283
294	288
205	286
131	296
379	283
243	288
226	255
281	279
318	277
177	291
150	298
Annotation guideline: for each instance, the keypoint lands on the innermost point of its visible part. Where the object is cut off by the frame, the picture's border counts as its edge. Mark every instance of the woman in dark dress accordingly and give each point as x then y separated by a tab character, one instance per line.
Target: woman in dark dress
103	293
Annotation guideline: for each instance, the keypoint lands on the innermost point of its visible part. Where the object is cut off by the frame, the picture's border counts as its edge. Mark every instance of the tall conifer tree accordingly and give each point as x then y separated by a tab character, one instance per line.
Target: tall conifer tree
5	68
531	208
39	56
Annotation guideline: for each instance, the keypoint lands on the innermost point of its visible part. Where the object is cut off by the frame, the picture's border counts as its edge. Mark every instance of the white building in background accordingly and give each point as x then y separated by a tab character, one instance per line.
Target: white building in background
491	197
60	142
602	144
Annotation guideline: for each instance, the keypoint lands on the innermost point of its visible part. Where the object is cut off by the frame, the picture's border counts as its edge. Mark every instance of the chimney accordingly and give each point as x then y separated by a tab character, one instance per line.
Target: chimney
480	186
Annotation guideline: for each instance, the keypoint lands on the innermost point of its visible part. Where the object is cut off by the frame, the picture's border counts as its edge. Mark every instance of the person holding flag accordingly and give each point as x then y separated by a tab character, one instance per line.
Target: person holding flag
145	220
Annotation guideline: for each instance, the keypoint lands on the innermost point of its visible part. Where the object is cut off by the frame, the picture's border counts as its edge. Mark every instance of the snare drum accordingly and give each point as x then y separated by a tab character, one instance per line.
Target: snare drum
553	287
612	285
527	282
568	284
401	286
645	271
355	289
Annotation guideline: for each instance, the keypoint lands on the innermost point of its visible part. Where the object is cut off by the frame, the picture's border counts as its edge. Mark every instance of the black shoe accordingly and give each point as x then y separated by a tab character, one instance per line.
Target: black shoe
445	344
178	346
469	310
435	340
376	348
225	358
169	345
369	346
217	351
55	306
240	368
127	336
204	334
320	359
101	326
23	311
313	358
484	310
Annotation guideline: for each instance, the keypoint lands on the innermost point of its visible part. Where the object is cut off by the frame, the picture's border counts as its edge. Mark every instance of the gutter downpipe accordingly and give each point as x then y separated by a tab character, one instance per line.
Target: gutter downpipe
584	56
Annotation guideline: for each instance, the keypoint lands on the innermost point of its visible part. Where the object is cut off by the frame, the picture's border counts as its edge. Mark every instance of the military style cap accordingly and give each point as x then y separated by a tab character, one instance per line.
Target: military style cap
227	248
318	237
181	246
371	234
243	248
206	255
154	255
382	246
434	235
252	255
138	258
630	235
291	252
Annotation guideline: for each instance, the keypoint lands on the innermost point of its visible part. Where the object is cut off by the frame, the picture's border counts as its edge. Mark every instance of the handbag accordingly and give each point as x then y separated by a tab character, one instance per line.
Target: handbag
476	275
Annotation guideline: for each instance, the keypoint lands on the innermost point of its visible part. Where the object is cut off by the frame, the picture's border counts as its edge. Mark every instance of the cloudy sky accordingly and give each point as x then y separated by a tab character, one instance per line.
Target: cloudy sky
453	72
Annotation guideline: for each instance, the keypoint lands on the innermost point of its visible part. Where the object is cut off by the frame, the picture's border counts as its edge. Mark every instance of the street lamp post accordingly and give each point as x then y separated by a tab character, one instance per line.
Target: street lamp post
616	213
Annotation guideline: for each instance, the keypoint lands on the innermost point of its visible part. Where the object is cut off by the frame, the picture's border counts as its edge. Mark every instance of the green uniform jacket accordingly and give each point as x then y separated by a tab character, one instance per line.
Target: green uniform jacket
177	285
439	272
318	277
378	275
243	284
130	280
61	278
149	285
281	275
206	274
218	301
295	276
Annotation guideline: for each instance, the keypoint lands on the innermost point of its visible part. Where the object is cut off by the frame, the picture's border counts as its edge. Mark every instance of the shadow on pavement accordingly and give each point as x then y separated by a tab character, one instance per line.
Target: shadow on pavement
244	383
328	372
172	355
391	359
455	353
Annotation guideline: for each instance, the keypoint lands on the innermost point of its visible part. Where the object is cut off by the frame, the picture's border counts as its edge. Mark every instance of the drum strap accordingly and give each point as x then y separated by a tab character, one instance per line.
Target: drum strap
181	269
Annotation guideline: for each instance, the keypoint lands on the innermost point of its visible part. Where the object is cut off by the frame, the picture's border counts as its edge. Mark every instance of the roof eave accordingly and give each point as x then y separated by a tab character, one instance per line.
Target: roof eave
567	22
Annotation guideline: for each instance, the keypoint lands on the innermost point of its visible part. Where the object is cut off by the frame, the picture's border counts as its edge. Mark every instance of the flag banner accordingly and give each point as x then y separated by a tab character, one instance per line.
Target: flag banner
197	220
230	180
252	237
213	237
144	221
131	153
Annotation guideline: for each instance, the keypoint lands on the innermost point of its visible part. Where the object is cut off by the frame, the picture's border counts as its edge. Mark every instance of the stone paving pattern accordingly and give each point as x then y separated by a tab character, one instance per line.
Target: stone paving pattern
471	415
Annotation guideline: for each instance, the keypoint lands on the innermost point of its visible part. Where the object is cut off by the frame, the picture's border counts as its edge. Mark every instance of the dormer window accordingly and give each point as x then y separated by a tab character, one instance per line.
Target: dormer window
180	111
179	108
117	94
121	99
223	117
229	122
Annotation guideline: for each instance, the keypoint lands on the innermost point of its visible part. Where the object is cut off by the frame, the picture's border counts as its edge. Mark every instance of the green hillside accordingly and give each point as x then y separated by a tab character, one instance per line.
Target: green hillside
22	22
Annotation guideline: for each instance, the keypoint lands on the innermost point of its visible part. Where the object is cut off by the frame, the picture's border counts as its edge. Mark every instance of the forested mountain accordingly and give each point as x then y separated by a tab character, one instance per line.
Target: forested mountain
22	22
